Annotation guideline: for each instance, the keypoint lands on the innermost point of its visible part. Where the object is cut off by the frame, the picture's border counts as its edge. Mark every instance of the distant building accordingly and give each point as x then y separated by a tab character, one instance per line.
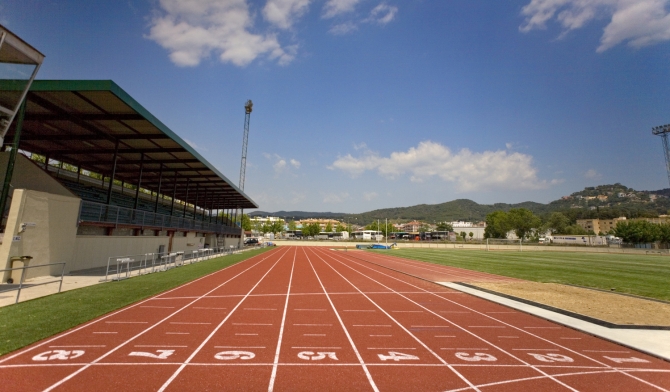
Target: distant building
599	225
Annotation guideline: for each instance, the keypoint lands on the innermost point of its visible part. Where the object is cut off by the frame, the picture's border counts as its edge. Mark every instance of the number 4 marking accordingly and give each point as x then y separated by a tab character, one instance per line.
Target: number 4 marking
396	356
631	359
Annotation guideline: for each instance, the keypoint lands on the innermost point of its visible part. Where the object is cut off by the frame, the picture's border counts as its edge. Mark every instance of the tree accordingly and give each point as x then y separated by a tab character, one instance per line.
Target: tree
463	234
340	228
557	223
523	221
638	232
313	229
276	227
329	227
444	226
246	222
471	234
497	225
292	225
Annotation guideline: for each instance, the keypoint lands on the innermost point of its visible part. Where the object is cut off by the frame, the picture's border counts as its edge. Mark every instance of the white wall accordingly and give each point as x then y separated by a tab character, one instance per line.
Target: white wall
93	251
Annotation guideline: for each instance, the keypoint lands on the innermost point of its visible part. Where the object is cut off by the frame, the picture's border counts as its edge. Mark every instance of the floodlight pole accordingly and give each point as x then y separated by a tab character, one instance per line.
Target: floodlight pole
662	131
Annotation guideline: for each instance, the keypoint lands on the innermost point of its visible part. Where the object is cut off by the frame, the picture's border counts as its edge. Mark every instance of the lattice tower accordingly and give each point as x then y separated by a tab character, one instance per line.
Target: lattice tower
662	131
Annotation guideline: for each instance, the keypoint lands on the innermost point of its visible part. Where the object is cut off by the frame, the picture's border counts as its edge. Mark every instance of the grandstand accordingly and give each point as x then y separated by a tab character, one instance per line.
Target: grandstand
99	176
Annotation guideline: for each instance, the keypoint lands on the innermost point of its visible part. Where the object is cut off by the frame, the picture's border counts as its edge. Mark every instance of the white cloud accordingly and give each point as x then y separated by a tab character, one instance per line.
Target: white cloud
280	164
283	13
488	170
343	28
637	22
335	198
382	14
370	195
592	174
337	7
360	146
191	30
295	163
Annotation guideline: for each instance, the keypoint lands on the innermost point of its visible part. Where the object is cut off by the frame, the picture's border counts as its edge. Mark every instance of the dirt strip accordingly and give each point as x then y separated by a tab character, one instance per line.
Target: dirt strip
610	307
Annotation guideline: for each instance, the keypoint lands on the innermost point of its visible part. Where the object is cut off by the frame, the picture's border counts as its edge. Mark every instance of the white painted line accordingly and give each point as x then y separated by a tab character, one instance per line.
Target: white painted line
391	348
251	324
314	334
187	323
362	325
407	311
177	333
501	312
246	334
104	332
238	347
452	311
385	336
542	327
429	326
313	325
201	307
259	309
605	351
485	326
92	345
126	322
535	349
464	349
508	337
351	310
158	307
319	348
155	345
273	376
445	336
311	310
572	338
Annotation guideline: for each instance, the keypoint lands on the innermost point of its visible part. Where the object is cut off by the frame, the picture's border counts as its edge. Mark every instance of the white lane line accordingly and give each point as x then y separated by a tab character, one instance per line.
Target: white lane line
246	334
156	345
508	337
542	327
313	325
572	338
126	322
238	347
445	336
177	333
157	307
314	334
363	325
605	351
429	326
391	348
271	386
203	307
194	353
407	311
317	348
384	336
310	310
344	328
60	382
501	312
105	332
535	349
90	345
354	310
465	349
449	321
486	326
261	324
439	358
188	323
259	309
453	311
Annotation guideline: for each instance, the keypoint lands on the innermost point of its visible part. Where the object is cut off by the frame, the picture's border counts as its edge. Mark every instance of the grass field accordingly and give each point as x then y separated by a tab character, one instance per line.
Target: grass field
648	276
30	321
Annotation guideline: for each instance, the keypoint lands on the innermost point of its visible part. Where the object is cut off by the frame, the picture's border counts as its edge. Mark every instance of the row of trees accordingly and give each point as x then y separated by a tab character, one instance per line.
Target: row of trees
642	232
526	224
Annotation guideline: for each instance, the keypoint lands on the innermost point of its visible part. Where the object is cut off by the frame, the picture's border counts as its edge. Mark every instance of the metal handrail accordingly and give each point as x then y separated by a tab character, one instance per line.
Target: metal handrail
104	213
23	275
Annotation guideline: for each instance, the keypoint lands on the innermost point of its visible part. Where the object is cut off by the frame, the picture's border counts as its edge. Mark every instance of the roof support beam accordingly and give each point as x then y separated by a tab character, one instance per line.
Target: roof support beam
111	178
139	183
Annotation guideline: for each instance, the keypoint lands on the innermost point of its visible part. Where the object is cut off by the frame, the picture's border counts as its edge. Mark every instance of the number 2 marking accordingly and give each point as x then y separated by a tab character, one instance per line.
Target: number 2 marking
163	354
396	356
230	355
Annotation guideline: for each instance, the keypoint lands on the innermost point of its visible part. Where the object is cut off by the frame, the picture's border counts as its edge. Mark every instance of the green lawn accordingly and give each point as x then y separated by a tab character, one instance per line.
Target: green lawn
644	275
30	321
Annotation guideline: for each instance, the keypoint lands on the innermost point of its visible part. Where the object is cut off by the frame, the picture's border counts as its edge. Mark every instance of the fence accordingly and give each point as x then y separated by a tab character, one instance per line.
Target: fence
124	267
22	285
104	213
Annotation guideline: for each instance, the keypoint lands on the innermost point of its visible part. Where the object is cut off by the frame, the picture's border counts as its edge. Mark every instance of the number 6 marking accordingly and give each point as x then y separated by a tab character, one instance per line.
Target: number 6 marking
230	355
477	357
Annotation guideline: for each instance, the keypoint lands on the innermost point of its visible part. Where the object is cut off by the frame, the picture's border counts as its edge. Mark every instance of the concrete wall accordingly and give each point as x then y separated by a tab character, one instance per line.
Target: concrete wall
50	234
92	251
27	175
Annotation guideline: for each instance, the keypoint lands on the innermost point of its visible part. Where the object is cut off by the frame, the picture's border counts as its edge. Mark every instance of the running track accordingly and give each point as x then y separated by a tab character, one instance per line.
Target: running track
314	319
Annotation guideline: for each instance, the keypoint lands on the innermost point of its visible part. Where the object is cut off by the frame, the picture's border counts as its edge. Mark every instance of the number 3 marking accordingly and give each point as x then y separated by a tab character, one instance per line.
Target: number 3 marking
230	355
477	357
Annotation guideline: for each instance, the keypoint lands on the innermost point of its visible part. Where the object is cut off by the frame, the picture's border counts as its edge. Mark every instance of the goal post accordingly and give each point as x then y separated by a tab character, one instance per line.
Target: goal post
503	244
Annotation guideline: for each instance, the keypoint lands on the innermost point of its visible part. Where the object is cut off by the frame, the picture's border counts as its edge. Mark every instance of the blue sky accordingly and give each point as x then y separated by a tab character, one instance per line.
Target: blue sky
365	104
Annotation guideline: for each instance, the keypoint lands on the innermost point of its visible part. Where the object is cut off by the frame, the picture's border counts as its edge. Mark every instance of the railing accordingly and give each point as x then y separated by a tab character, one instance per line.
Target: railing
124	267
103	213
23	274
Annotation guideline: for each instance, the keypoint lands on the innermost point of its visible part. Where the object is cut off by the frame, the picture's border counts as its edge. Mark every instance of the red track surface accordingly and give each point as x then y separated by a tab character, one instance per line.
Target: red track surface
313	319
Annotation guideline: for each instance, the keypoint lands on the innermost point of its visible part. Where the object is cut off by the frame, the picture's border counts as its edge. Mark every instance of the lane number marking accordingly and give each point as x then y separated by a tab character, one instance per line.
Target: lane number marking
623	360
476	357
231	355
396	356
162	354
309	355
61	355
551	357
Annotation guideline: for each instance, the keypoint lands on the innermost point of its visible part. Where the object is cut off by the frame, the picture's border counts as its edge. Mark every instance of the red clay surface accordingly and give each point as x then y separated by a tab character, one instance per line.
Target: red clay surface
297	319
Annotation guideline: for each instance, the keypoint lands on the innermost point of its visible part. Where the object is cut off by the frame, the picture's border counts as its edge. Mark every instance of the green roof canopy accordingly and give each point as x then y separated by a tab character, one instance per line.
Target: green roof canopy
80	121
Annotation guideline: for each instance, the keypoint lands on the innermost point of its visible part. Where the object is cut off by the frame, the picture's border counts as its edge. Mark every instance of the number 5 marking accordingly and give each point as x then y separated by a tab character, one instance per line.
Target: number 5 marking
477	357
230	355
308	355
396	356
